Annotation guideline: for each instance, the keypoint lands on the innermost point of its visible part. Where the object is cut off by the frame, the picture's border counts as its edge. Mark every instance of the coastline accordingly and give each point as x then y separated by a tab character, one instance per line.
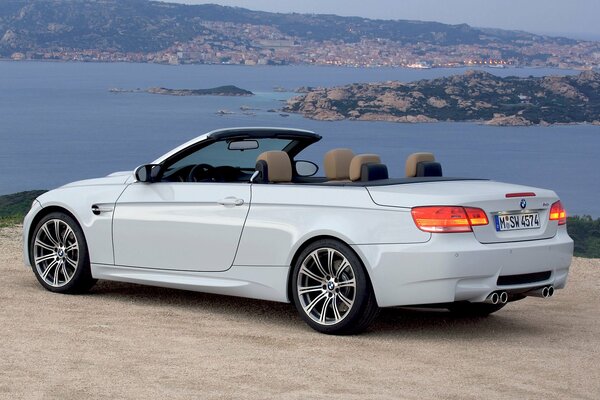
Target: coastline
572	69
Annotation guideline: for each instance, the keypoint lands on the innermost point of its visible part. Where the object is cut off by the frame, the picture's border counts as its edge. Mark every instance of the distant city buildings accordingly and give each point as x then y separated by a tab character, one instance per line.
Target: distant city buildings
246	44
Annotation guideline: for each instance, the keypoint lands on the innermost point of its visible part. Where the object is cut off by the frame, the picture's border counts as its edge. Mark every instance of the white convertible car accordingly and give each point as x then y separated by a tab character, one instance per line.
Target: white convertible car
236	212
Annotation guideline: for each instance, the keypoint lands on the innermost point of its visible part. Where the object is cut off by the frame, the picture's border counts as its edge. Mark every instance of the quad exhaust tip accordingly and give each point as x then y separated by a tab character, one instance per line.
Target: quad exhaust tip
497	298
501	297
544	292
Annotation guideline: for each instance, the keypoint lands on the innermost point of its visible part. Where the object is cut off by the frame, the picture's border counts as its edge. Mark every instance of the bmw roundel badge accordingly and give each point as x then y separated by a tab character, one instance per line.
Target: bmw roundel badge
523	203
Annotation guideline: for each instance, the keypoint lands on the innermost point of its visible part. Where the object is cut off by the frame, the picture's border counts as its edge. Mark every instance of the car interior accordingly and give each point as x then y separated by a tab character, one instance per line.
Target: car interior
273	161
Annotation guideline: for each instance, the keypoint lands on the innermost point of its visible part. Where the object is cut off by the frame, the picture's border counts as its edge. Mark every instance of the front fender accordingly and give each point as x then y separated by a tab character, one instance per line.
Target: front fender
78	201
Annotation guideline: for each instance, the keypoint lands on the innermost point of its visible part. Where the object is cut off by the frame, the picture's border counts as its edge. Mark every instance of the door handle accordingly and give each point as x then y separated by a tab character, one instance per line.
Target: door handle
231	201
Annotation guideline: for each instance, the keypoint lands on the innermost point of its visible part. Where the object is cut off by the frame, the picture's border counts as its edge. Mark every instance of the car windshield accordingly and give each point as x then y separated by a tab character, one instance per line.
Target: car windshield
219	154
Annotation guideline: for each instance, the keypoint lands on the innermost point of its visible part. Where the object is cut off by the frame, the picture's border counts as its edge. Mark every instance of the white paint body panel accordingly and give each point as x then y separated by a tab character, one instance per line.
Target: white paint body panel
179	226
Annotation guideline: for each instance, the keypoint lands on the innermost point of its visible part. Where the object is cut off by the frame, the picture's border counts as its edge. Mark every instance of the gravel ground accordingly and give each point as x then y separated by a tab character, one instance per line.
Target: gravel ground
131	342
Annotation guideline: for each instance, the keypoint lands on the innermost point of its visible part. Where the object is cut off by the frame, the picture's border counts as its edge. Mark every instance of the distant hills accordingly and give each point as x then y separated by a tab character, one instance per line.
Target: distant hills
141	25
212	33
473	96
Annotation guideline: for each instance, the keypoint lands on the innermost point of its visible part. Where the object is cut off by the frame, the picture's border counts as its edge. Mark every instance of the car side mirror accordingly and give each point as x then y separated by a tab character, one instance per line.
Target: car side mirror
147	173
306	168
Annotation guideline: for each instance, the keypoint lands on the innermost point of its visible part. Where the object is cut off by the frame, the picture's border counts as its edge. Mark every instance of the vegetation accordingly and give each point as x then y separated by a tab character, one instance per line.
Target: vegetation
13	207
585	231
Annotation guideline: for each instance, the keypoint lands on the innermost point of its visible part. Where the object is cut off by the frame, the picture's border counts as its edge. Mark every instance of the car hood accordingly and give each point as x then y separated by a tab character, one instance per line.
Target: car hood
115	178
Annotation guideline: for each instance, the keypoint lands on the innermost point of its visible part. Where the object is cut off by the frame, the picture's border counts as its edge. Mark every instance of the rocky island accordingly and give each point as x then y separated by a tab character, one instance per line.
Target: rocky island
228	90
472	96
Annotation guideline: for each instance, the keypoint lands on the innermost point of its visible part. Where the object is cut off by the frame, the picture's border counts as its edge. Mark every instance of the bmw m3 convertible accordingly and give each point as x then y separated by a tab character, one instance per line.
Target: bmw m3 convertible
237	212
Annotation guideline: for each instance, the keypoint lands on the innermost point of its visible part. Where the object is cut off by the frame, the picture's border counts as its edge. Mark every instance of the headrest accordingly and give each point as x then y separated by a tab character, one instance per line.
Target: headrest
414	159
428	168
357	163
337	163
373	172
279	166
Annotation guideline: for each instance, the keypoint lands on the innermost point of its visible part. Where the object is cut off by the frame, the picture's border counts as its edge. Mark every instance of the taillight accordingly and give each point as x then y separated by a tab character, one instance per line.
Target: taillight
476	216
558	213
448	219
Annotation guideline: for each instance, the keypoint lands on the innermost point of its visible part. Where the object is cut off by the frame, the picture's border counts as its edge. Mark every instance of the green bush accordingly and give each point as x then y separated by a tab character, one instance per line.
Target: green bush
585	232
13	207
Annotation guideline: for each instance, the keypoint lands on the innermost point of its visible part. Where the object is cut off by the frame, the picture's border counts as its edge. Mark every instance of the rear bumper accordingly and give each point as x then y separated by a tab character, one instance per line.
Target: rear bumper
456	267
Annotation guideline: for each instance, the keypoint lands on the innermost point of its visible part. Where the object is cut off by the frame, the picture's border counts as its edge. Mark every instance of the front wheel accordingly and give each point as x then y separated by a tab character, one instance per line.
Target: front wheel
59	255
331	289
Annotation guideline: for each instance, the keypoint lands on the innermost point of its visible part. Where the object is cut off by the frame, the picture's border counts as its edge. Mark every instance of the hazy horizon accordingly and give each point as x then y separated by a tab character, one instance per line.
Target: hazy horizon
575	18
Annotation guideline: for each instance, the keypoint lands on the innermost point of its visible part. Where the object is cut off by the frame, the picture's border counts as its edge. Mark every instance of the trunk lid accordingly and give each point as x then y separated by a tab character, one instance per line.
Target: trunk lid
510	218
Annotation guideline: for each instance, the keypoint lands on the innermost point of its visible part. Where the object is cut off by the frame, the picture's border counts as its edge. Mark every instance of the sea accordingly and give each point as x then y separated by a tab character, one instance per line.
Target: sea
59	122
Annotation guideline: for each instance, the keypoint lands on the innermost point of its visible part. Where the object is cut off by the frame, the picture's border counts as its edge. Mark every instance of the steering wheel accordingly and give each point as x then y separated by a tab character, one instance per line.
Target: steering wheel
202	173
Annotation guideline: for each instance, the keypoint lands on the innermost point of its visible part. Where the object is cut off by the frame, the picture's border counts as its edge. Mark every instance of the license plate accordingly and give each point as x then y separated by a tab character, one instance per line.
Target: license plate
513	222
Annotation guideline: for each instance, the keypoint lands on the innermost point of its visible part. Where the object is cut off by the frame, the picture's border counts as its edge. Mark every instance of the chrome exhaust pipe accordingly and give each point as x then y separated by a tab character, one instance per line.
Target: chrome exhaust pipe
503	297
492	298
545	292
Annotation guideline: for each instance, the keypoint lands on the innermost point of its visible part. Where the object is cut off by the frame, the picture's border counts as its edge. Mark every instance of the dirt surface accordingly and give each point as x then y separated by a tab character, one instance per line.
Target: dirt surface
132	342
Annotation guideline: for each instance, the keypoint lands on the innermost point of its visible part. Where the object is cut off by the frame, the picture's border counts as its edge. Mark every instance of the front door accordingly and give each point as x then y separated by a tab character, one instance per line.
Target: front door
186	226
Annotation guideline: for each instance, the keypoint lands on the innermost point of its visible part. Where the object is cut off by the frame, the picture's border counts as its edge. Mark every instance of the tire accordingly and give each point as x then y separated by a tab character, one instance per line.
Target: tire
59	255
467	309
331	289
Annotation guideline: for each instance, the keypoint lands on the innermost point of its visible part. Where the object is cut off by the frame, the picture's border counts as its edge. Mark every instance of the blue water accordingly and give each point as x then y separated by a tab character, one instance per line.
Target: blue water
59	123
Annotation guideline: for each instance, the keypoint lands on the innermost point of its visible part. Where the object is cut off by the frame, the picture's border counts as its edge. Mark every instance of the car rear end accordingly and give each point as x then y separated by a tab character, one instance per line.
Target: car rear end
488	242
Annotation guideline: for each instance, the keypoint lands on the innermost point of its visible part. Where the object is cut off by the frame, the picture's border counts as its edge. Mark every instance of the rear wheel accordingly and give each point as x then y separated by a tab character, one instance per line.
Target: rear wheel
59	255
474	309
331	289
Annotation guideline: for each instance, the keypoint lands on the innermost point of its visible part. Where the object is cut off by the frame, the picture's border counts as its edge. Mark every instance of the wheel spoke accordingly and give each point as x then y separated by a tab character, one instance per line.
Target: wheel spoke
310	289
45	257
43	245
66	235
57	230
348	283
344	300
345	264
48	235
330	253
48	268
64	272
71	262
317	262
323	315
336	311
314	302
71	247
304	270
55	280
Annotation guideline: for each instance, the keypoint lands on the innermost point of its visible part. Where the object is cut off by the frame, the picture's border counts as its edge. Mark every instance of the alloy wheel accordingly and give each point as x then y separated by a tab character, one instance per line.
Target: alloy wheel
326	286
56	253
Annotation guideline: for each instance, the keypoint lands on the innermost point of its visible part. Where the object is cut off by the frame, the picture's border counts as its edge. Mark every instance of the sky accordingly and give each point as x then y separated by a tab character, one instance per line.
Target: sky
573	18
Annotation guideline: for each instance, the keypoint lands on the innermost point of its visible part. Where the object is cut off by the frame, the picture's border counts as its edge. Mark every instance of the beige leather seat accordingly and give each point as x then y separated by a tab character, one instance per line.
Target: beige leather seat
337	164
422	164
274	166
358	161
